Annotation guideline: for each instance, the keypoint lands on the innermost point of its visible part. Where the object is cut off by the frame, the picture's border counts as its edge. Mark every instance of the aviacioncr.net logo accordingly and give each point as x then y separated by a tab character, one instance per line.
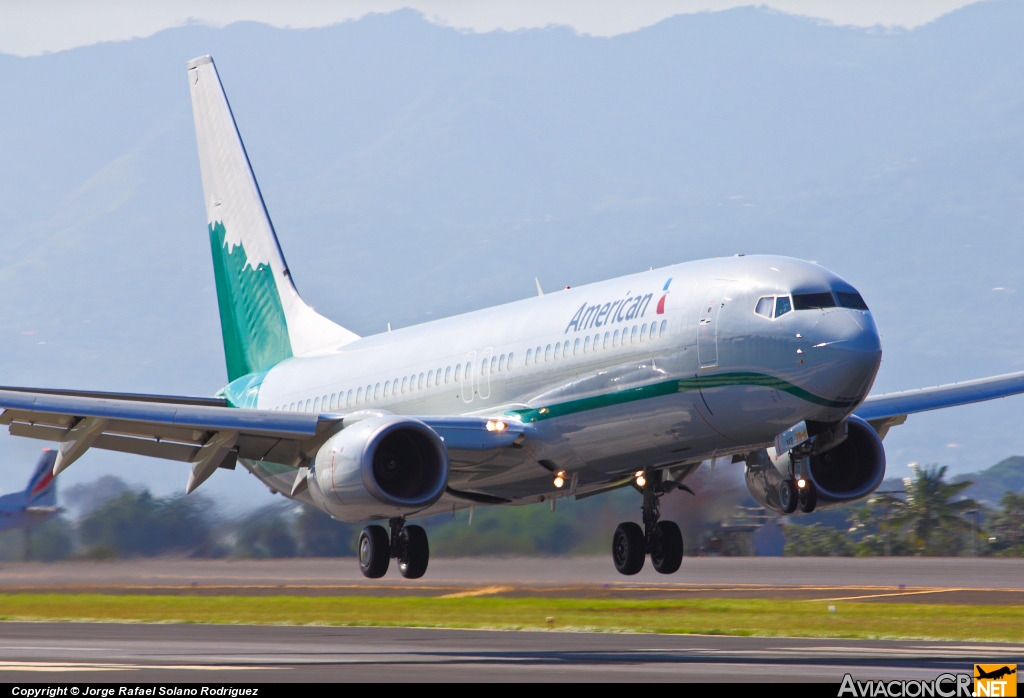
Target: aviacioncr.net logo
942	686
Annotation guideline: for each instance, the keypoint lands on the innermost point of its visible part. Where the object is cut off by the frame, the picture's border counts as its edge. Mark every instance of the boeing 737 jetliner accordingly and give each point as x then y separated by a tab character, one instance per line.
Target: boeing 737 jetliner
629	382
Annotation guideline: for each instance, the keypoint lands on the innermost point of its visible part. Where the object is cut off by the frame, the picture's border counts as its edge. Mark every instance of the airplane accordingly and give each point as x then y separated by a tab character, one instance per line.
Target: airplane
37	503
995	673
763	360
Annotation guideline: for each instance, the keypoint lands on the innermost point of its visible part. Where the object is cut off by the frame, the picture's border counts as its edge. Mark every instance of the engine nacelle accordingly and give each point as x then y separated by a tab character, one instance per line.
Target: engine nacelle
850	471
378	468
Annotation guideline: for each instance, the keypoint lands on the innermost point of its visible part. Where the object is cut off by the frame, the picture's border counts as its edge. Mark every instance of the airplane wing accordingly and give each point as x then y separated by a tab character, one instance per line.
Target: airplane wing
891	409
204	432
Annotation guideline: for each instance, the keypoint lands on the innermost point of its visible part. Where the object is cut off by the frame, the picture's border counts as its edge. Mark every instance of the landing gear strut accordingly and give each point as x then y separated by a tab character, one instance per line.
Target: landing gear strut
662	540
408	545
798	490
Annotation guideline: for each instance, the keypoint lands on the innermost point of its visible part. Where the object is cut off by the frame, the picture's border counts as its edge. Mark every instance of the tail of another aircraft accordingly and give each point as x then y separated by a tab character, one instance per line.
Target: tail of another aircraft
42	486
263	319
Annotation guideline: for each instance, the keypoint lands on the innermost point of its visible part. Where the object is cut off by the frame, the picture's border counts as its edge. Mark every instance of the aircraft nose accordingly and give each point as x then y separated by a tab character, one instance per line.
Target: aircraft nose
844	351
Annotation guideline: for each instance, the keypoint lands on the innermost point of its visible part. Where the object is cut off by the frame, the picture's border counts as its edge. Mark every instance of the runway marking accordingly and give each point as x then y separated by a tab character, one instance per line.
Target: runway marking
896	593
483	591
71	666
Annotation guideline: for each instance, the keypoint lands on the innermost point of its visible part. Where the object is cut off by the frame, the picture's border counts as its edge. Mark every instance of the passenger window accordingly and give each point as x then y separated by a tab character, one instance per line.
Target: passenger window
469	369
387	388
536	356
359	396
615	339
494	364
558	346
419	384
607	340
291	407
376	392
501	363
333	403
316	405
430	378
654	326
447	374
458	372
664	326
348	398
632	336
576	347
586	345
405	383
782	305
764	306
509	364
547	352
643	332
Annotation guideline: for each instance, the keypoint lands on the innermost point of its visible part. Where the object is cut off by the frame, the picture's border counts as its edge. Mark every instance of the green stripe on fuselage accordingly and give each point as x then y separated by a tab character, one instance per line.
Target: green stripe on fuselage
251	315
671	388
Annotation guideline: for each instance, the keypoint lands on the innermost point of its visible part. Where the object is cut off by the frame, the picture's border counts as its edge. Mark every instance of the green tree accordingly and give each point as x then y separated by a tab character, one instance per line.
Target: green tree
139	524
266	533
1006	526
930	519
321	536
817	541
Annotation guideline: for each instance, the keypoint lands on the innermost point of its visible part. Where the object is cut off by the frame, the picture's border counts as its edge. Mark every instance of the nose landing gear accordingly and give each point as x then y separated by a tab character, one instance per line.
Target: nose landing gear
662	540
408	545
798	491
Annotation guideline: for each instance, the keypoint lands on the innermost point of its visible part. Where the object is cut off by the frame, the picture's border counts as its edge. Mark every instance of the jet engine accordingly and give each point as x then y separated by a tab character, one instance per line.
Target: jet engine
378	468
850	470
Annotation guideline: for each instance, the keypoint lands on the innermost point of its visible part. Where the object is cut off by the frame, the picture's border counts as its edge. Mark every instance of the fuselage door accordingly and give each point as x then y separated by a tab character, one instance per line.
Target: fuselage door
707	327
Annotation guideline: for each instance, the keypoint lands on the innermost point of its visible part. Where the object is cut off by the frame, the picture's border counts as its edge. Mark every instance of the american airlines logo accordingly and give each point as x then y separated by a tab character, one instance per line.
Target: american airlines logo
622	310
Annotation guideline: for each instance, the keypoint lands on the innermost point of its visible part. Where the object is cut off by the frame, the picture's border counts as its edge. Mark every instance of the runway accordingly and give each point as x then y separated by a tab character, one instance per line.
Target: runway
907	580
102	652
231	655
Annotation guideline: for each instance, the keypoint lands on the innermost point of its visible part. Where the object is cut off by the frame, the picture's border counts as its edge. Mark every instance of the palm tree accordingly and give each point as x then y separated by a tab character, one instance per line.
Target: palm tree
933	523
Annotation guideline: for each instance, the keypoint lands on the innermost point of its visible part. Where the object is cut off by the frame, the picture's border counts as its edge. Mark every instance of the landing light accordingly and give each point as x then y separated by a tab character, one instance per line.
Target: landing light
801	483
495	425
640	479
560	479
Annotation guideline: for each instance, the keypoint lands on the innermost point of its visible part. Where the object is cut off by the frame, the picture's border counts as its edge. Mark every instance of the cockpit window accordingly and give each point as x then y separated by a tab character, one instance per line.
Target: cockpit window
811	301
764	306
782	305
851	300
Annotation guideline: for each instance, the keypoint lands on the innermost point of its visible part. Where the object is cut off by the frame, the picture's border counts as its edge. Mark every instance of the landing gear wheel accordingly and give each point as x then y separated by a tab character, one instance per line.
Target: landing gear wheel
374	552
413	562
808	498
628	548
667	547
787	496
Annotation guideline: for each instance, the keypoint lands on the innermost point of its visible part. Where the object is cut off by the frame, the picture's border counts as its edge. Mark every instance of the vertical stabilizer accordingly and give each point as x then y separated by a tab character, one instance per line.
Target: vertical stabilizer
42	486
263	319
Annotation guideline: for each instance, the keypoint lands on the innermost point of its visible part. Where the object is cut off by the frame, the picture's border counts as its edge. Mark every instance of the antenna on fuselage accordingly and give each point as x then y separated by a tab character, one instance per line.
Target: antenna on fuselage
540	291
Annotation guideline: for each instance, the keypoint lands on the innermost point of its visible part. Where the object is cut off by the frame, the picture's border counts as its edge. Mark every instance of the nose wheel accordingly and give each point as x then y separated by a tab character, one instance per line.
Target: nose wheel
661	540
408	544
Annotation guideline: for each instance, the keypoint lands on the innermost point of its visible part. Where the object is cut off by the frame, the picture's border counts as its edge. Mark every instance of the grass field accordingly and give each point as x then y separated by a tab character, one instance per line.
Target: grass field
704	616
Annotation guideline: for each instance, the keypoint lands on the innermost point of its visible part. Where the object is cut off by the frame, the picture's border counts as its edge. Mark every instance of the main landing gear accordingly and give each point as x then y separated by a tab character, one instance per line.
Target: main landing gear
662	540
798	491
408	544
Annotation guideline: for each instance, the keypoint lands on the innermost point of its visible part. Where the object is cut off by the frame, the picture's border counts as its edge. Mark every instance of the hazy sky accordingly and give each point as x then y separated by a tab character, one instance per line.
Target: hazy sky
32	27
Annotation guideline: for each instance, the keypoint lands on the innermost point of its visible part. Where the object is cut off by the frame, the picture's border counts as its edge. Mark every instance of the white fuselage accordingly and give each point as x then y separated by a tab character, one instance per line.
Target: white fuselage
669	366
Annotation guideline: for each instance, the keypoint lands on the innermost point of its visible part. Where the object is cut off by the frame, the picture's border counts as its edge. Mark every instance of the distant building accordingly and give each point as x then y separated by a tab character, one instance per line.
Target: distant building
748	532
